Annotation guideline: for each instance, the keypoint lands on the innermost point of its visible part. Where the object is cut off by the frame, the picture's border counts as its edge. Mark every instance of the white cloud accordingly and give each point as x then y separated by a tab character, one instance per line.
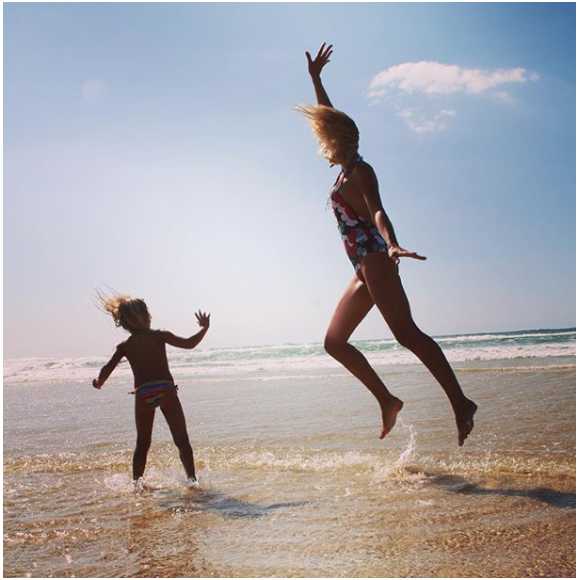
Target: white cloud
422	123
435	78
427	79
92	90
502	97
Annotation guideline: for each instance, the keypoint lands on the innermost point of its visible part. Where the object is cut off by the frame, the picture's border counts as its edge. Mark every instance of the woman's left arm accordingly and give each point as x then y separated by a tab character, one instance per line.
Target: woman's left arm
363	176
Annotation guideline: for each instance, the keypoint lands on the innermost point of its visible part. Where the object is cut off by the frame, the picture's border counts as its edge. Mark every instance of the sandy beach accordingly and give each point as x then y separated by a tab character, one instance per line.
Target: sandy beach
294	479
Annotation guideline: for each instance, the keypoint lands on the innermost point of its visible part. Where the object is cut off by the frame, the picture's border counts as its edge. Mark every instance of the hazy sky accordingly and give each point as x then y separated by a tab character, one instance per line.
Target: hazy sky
153	148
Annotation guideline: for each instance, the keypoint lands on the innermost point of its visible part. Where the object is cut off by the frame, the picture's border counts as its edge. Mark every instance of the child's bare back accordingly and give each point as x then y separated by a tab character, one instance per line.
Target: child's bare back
147	356
146	352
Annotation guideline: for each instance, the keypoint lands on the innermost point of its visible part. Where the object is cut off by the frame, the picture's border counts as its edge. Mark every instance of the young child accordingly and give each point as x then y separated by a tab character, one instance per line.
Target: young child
154	386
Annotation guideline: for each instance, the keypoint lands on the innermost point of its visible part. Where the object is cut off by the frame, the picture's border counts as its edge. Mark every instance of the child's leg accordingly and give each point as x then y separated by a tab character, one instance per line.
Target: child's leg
173	412
144	415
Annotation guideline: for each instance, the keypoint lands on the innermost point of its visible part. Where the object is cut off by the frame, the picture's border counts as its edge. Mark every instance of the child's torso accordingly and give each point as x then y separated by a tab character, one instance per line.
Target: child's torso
146	354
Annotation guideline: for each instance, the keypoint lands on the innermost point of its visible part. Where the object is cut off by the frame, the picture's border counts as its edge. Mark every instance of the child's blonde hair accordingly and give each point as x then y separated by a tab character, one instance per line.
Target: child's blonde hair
127	312
336	132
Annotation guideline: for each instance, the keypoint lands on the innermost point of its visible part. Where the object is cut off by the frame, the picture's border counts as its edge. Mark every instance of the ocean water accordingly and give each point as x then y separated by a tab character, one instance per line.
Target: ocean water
295	481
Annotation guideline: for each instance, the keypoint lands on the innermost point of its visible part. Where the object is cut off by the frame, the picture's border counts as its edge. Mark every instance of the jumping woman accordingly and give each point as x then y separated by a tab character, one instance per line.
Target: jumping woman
373	249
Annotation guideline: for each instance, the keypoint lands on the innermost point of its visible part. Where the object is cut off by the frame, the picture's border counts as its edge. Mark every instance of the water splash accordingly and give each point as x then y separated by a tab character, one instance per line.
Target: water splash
399	470
408	454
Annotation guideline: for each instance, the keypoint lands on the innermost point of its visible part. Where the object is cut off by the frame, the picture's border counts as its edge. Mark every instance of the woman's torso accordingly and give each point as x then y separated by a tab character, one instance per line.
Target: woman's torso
359	235
351	195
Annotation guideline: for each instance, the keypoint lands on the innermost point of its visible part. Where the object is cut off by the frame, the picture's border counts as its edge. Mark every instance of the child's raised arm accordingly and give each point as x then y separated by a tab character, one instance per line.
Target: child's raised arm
192	341
108	368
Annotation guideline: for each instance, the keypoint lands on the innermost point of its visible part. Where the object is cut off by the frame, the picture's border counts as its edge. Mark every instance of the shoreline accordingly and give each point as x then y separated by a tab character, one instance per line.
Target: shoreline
324	367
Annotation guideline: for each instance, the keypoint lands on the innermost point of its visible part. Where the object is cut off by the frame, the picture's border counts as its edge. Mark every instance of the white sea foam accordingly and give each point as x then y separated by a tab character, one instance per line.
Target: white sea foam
301	360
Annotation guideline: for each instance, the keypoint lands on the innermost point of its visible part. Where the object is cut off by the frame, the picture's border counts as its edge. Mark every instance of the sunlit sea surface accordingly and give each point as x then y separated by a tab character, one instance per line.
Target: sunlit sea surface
295	481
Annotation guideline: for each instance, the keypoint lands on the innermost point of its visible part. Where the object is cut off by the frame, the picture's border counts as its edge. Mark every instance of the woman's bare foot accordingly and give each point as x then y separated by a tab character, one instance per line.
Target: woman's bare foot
390	409
464	419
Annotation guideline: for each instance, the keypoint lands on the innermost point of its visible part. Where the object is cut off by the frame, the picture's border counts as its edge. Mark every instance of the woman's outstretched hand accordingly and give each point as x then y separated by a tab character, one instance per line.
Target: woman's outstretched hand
322	58
396	252
202	319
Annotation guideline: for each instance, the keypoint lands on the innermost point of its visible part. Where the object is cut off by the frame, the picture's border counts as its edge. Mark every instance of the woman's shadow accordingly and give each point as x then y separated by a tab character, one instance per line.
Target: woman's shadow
457	484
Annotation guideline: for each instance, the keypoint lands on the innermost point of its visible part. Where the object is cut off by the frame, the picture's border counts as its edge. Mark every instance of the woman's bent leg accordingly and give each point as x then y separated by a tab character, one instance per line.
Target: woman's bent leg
385	287
354	305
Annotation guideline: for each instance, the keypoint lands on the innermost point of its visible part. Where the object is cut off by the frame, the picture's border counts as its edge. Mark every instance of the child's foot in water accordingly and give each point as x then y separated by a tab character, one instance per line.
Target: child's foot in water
193	484
464	419
390	408
140	486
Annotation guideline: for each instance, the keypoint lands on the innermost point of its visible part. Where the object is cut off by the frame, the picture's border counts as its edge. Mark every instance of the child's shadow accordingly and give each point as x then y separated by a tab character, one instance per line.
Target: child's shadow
457	484
221	503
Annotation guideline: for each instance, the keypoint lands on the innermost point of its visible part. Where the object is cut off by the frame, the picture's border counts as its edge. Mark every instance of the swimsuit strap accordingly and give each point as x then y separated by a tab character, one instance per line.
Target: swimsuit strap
342	175
352	165
348	170
340	180
155	383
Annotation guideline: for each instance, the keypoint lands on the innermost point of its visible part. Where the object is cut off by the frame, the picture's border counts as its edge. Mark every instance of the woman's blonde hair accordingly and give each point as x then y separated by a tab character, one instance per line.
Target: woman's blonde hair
336	132
127	312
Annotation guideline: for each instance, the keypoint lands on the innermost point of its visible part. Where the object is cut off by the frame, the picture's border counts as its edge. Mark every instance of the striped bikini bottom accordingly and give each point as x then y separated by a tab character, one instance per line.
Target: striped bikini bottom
154	391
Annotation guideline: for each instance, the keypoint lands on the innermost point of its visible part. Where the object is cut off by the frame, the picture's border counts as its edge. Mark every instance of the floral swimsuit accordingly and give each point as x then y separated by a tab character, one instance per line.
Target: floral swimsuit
358	235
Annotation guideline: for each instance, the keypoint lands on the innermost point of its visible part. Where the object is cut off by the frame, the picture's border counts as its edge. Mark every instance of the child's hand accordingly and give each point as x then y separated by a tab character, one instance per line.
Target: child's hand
202	319
96	384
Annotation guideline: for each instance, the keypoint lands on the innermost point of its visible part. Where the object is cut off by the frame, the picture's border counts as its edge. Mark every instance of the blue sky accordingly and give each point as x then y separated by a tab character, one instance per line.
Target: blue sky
153	148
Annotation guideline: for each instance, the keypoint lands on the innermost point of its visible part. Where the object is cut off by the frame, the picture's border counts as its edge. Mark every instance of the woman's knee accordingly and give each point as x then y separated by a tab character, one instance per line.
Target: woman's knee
408	336
333	345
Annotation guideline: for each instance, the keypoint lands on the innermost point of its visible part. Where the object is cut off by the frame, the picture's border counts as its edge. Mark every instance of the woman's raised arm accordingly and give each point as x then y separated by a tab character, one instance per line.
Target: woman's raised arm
315	68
